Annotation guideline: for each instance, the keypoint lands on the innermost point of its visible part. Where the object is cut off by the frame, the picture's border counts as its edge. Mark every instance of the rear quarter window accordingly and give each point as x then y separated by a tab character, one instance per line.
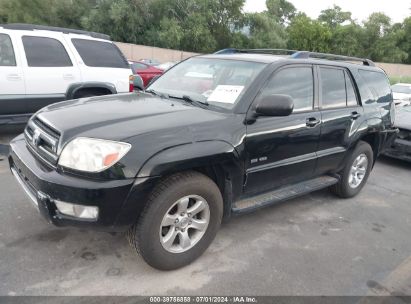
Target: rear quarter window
7	57
100	54
378	83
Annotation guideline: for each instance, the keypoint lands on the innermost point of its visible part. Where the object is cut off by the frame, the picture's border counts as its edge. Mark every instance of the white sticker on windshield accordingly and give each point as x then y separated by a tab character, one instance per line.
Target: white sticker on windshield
225	93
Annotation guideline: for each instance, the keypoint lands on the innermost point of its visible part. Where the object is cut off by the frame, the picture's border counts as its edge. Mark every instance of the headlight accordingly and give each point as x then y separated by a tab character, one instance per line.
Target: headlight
92	155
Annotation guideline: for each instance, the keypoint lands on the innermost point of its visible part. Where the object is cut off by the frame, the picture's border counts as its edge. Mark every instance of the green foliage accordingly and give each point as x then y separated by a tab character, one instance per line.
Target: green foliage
208	25
307	34
400	79
334	16
282	10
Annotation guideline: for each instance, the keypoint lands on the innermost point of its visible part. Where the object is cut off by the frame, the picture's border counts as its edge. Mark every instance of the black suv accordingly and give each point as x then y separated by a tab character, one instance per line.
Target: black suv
215	136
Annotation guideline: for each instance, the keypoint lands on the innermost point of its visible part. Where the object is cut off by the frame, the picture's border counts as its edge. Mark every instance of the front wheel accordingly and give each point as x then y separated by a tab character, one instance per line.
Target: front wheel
356	171
180	220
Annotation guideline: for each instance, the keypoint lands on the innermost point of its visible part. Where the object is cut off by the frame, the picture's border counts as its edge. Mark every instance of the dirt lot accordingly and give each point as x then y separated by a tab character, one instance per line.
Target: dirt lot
314	245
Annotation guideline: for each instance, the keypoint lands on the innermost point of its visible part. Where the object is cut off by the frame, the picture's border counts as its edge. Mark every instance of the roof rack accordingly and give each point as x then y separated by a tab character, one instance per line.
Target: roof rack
32	27
298	54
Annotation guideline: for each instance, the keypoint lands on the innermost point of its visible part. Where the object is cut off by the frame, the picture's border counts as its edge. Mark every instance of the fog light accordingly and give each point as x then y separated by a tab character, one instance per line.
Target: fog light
86	212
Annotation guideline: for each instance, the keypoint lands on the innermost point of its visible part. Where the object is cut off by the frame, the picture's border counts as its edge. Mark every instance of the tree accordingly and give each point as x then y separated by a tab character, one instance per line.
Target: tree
307	34
283	10
380	41
403	31
265	32
334	16
346	40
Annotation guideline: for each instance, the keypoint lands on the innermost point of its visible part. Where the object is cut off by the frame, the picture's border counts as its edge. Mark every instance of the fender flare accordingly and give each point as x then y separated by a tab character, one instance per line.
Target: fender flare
75	87
189	156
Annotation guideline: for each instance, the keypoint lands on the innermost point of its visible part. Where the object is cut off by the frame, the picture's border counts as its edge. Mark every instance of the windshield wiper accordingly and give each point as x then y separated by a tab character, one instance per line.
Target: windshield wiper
151	91
202	104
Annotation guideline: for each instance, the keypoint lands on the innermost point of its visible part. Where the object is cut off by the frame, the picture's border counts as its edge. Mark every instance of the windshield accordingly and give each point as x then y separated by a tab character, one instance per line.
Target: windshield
219	82
401	89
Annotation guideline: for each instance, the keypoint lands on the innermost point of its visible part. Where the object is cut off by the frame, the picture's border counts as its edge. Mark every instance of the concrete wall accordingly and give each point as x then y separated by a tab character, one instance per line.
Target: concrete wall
137	52
393	69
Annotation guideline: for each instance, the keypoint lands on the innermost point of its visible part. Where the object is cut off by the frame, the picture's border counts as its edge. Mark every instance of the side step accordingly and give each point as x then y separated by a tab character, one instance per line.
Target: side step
285	193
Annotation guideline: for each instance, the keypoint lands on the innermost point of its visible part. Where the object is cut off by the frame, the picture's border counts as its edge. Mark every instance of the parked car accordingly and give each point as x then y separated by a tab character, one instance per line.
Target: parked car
41	65
401	148
166	65
152	62
168	164
401	94
147	72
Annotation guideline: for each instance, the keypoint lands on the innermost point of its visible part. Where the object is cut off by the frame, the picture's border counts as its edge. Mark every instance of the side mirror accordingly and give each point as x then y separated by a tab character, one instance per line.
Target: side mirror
274	105
138	83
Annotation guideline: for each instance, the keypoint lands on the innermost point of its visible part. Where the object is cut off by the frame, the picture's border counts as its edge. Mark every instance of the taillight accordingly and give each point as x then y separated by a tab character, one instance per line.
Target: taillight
131	83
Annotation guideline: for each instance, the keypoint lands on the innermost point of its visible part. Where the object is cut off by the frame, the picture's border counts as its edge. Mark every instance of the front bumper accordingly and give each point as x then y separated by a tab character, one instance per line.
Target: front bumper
119	201
400	149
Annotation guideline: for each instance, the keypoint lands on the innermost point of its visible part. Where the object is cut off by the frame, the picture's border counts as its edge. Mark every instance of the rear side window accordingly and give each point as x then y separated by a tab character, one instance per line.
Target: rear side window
351	97
333	88
378	83
7	57
45	52
100	53
296	82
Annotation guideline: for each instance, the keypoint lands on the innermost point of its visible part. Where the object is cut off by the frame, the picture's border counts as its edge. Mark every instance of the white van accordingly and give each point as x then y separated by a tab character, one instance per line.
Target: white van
40	65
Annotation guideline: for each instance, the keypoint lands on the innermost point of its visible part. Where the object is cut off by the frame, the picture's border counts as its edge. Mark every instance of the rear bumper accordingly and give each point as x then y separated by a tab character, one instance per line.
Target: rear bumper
119	201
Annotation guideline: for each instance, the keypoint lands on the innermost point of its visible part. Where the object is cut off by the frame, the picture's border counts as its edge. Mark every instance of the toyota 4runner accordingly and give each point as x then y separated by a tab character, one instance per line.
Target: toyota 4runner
215	136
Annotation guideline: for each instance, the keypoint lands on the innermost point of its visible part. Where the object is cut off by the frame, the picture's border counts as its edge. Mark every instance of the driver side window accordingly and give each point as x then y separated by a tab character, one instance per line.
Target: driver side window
296	82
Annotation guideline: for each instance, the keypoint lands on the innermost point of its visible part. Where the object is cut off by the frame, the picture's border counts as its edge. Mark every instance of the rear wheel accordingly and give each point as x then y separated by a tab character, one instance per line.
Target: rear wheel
181	218
356	172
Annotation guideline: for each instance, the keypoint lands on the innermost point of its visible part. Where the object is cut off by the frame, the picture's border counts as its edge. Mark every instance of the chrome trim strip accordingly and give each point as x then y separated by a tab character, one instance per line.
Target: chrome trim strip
26	189
296	159
284	162
330	151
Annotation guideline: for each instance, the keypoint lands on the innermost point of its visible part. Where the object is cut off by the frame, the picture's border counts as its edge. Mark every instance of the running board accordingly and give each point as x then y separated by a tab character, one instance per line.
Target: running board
282	194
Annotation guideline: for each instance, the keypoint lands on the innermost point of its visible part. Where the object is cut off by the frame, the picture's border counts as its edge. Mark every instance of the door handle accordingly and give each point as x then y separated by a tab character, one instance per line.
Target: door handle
355	115
312	122
13	77
68	76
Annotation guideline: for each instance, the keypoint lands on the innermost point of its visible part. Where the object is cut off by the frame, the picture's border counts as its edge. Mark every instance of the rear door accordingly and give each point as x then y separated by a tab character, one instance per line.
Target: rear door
48	67
12	86
341	116
101	61
282	150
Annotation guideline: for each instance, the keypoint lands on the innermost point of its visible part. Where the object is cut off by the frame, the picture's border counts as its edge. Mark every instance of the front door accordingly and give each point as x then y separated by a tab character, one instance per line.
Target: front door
282	150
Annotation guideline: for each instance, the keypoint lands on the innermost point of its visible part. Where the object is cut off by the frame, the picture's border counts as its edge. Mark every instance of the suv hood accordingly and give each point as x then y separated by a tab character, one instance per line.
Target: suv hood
121	116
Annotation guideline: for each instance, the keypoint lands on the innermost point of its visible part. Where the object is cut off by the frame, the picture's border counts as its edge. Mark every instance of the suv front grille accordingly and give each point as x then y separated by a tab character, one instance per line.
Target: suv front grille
42	140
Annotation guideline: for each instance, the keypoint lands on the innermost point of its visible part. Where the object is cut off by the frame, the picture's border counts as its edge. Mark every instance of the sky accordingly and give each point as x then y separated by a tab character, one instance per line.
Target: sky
397	10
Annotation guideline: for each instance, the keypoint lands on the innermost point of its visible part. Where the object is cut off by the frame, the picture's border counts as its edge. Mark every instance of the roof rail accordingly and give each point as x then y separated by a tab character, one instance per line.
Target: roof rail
306	55
298	54
256	51
32	27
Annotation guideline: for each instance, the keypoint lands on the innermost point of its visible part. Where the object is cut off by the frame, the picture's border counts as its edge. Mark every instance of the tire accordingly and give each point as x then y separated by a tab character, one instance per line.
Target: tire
147	237
345	188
